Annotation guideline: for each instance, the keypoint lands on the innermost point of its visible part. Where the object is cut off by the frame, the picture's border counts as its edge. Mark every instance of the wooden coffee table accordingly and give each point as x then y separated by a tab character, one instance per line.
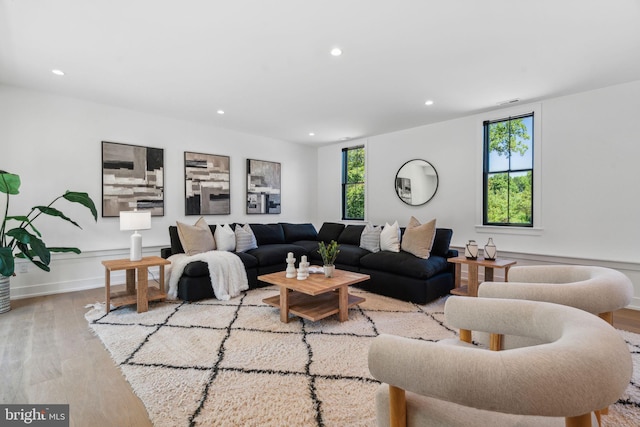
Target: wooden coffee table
316	297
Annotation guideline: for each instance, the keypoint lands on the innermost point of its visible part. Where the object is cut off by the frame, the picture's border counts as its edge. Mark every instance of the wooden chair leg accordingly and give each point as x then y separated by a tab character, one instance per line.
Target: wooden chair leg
465	335
397	407
608	317
578	421
495	342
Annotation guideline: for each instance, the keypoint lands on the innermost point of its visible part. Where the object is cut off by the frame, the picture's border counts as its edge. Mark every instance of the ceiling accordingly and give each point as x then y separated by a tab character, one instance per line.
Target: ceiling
267	63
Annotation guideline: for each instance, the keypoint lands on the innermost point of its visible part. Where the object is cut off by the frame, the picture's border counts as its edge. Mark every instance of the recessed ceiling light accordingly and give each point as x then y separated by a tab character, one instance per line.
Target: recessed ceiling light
336	51
428	102
221	112
58	72
312	134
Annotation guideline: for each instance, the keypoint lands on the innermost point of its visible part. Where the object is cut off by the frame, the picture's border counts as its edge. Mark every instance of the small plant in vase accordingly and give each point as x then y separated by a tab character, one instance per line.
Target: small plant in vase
328	253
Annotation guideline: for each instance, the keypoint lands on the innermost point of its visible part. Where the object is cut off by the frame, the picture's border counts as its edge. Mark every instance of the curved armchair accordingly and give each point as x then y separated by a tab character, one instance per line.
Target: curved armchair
597	290
461	385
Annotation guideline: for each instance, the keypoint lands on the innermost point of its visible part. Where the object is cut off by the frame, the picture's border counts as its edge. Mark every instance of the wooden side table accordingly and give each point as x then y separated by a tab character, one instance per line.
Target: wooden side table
489	265
495	340
140	294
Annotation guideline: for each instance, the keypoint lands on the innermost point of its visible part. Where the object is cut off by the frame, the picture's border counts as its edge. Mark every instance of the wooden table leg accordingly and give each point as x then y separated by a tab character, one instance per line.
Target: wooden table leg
161	278
488	274
343	303
473	280
131	281
458	273
107	285
284	304
143	283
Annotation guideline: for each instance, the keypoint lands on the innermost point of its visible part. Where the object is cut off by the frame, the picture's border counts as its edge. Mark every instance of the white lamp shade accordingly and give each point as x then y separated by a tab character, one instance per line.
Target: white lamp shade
135	220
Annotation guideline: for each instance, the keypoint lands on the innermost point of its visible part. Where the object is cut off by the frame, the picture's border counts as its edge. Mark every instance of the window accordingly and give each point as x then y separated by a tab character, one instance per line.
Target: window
508	171
353	182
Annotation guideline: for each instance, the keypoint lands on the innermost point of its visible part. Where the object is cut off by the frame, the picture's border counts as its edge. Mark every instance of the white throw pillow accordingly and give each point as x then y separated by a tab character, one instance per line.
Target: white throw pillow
370	238
245	239
390	237
195	238
225	238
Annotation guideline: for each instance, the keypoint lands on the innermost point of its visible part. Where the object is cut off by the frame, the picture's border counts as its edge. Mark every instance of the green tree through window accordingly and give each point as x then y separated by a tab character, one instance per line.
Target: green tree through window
508	171
353	183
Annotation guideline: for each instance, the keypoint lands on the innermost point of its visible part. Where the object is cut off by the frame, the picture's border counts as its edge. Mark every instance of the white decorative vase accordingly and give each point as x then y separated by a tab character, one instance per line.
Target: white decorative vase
5	300
490	251
471	250
328	270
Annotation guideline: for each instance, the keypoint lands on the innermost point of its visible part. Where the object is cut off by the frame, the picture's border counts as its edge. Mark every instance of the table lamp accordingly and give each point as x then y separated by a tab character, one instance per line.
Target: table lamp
135	220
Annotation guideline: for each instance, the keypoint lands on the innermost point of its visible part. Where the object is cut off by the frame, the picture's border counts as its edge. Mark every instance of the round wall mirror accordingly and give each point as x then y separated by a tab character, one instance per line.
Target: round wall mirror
416	182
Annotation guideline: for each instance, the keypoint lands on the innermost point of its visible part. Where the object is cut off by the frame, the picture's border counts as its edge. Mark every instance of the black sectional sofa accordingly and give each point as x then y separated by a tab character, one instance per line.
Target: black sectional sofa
399	275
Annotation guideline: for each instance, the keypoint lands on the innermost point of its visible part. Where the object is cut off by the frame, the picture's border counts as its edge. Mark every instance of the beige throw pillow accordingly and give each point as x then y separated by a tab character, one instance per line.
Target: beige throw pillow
196	238
418	238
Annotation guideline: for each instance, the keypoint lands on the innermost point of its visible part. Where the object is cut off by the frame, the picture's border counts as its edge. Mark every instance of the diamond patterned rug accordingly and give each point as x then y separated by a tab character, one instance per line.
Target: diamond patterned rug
233	363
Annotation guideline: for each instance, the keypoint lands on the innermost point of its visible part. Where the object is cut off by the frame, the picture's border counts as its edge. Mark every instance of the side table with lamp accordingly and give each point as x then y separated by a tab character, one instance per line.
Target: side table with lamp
137	289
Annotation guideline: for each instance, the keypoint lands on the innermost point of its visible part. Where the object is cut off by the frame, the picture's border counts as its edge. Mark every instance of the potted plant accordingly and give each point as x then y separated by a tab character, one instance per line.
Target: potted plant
328	253
24	240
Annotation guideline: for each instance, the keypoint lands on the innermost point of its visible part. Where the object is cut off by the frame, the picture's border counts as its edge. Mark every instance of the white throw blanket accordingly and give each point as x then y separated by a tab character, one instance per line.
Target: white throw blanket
227	273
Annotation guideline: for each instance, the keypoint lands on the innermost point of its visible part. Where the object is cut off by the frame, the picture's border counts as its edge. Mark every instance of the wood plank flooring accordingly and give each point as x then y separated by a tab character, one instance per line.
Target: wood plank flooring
49	355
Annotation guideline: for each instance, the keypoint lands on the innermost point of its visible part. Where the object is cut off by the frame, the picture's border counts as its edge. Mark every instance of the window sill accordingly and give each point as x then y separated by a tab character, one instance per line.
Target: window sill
523	231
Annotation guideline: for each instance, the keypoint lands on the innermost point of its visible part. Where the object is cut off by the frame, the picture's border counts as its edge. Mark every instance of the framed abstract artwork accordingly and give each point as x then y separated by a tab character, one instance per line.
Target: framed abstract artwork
206	179
132	178
263	187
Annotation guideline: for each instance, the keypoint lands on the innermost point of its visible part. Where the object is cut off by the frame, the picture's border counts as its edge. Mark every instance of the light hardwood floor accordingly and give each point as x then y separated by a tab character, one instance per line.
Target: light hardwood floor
49	355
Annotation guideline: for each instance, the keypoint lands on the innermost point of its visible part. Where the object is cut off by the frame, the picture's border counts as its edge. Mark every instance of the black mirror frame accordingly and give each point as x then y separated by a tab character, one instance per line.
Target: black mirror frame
397	189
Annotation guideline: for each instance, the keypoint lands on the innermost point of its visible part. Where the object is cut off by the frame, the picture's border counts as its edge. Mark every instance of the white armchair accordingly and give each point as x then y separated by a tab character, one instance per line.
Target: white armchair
598	290
582	366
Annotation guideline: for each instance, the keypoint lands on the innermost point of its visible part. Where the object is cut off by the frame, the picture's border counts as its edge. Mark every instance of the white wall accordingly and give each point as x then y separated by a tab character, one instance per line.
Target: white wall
54	144
590	209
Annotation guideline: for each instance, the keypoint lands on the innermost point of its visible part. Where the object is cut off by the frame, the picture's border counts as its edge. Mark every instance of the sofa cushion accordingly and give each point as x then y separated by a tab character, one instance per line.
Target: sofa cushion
268	234
274	254
330	231
351	235
418	238
441	242
295	232
350	254
404	264
195	238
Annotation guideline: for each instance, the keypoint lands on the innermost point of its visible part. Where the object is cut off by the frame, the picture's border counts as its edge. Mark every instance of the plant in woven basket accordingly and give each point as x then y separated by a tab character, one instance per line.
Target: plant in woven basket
24	240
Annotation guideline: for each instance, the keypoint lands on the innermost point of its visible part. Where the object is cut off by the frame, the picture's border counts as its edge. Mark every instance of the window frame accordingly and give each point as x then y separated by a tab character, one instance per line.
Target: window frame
509	170
537	228
344	183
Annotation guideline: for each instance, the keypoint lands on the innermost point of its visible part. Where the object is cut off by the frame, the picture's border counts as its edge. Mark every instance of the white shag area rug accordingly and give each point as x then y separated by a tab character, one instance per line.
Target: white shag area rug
233	363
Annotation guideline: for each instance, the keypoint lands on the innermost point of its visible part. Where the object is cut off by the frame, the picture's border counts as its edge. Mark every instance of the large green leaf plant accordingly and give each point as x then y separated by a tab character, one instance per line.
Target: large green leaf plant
24	240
